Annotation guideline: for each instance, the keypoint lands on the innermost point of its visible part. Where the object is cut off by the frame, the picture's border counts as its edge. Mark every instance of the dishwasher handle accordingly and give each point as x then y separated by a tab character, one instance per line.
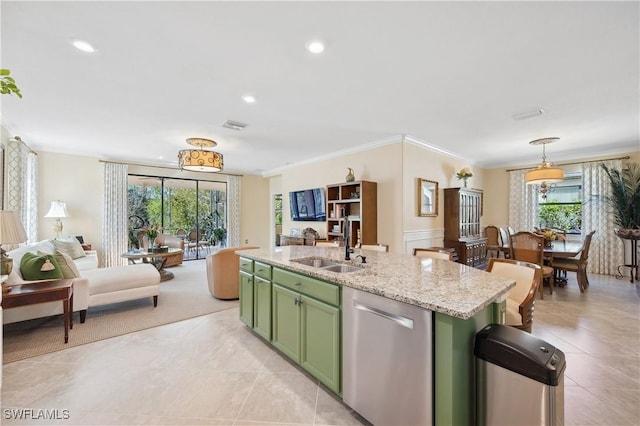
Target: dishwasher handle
398	319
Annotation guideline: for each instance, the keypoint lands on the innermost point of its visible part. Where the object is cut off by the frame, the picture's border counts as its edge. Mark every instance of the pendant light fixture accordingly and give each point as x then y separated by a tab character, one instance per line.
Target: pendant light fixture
545	173
200	160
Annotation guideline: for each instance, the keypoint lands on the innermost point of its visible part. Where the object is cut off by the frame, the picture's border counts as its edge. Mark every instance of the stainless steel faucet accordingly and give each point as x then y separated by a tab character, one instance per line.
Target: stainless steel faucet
347	231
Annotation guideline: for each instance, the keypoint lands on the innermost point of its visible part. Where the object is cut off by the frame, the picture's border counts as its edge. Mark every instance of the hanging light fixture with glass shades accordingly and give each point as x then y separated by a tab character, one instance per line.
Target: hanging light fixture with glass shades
200	160
545	174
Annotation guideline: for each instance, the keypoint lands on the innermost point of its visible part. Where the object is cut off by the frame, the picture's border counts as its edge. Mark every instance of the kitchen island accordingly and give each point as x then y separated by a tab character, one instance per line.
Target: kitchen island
462	300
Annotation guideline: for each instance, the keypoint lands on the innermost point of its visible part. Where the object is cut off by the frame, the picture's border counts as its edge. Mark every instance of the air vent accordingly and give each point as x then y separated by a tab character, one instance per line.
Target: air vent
234	125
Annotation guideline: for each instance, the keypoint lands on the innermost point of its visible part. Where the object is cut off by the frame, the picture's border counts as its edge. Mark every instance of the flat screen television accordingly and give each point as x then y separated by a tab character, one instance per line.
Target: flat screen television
308	205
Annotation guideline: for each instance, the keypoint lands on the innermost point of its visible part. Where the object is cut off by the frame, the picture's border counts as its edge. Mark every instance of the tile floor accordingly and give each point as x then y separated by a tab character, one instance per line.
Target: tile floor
211	371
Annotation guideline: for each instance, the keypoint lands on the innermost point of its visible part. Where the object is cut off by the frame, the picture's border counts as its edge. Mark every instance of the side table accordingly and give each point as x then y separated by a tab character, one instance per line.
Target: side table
33	294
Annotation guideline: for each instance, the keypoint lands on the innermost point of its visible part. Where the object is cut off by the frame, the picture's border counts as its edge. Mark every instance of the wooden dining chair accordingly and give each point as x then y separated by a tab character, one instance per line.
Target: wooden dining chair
529	247
375	247
493	244
433	253
577	265
521	298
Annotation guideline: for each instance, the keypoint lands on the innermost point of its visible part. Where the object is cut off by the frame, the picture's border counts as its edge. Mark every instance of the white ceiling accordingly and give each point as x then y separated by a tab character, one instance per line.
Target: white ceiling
450	74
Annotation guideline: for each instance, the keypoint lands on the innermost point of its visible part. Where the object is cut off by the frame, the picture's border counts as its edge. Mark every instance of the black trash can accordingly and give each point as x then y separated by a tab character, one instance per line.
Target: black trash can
519	378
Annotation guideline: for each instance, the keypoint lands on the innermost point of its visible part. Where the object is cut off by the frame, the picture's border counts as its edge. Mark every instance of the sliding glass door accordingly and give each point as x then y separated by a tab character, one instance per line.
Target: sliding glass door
193	210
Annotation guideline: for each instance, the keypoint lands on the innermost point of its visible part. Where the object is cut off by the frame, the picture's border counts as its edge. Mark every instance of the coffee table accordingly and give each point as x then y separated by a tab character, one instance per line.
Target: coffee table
156	259
43	292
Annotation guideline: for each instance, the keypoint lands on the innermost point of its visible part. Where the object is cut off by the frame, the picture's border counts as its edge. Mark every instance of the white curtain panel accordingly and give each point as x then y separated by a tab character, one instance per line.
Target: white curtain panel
21	165
233	210
605	253
114	223
523	202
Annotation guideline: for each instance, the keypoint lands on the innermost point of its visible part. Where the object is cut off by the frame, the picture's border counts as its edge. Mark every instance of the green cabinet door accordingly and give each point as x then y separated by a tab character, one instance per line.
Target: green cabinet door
262	307
246	298
320	341
286	322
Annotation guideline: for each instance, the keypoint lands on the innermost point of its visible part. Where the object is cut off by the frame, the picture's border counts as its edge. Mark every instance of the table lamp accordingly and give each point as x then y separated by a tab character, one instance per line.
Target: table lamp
11	232
58	210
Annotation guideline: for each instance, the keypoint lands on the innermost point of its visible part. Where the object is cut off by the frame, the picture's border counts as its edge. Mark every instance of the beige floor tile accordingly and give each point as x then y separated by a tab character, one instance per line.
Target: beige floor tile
281	397
212	370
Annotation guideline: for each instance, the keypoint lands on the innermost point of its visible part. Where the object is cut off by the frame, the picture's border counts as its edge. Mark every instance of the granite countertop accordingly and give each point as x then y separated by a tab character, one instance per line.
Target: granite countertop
438	285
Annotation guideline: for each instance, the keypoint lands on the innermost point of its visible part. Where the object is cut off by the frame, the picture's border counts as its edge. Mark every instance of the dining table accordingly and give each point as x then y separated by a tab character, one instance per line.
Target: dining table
563	248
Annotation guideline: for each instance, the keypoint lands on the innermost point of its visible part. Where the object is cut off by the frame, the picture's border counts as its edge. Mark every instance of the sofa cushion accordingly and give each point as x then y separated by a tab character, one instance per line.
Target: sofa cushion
71	247
67	265
35	267
117	278
45	246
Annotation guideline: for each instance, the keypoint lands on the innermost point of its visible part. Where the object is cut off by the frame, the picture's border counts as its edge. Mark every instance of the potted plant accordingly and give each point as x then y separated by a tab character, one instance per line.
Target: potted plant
219	235
625	199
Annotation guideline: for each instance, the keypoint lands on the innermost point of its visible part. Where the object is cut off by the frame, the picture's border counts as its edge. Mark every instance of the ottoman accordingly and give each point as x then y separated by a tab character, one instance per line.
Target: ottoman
121	283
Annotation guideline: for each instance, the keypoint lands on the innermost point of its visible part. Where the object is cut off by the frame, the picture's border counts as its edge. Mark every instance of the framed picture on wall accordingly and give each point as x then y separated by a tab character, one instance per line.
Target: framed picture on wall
427	197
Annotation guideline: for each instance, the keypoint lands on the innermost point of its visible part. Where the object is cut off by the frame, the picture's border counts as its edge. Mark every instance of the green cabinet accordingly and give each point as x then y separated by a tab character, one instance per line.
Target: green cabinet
246	298
305	327
320	350
262	307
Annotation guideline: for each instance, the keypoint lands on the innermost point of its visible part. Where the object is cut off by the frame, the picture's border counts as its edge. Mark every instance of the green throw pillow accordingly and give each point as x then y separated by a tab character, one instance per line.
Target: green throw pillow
45	267
67	267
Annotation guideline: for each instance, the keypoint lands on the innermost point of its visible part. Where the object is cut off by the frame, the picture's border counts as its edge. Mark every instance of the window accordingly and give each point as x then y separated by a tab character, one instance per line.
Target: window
182	207
563	207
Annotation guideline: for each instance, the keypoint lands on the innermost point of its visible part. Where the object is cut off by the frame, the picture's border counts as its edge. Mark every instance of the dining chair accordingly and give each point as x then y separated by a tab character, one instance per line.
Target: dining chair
529	247
433	253
493	244
577	265
521	298
504	241
375	247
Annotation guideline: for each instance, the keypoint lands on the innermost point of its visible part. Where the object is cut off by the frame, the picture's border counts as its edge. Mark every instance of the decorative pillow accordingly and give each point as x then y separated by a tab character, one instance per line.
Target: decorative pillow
45	267
67	265
72	248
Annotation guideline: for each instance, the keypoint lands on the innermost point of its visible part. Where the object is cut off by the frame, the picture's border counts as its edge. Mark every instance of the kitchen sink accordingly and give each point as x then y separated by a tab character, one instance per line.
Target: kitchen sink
342	268
316	262
327	265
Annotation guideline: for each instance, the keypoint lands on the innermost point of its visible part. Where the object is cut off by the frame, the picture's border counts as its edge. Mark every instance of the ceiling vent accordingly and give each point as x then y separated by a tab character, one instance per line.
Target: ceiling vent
234	125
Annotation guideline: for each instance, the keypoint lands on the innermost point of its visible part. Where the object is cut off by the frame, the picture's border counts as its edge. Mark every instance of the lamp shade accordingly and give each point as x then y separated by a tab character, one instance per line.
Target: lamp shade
58	209
200	160
544	173
11	229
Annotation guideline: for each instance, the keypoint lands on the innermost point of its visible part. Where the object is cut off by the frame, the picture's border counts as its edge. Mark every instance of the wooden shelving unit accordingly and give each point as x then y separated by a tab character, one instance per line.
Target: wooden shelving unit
359	201
462	211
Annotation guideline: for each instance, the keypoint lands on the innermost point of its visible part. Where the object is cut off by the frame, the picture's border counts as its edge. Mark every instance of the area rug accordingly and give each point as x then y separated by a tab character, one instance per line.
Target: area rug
186	296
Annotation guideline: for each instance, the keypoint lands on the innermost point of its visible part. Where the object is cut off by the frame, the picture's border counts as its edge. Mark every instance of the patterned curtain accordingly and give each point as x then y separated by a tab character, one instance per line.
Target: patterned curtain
22	190
114	224
523	202
233	211
605	253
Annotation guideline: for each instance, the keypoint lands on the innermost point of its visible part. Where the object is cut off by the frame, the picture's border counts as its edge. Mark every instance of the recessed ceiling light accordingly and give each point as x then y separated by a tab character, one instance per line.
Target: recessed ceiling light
249	99
315	46
84	46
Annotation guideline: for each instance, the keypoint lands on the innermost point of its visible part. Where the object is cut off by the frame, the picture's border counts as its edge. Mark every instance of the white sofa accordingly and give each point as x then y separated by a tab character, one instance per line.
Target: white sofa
95	286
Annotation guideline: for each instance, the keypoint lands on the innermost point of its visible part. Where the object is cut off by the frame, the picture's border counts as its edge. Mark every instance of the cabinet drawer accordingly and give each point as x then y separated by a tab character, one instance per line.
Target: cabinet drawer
317	289
246	265
262	270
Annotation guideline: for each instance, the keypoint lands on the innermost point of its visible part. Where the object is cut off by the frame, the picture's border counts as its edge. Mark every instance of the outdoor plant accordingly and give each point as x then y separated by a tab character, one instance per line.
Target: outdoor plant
625	195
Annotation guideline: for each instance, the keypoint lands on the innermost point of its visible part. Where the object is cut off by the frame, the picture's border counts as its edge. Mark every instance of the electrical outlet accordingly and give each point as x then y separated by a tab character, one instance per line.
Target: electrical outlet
246	241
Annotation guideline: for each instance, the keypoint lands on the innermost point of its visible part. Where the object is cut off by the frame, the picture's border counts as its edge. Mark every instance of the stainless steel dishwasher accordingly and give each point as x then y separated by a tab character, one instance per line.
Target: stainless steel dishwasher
387	354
